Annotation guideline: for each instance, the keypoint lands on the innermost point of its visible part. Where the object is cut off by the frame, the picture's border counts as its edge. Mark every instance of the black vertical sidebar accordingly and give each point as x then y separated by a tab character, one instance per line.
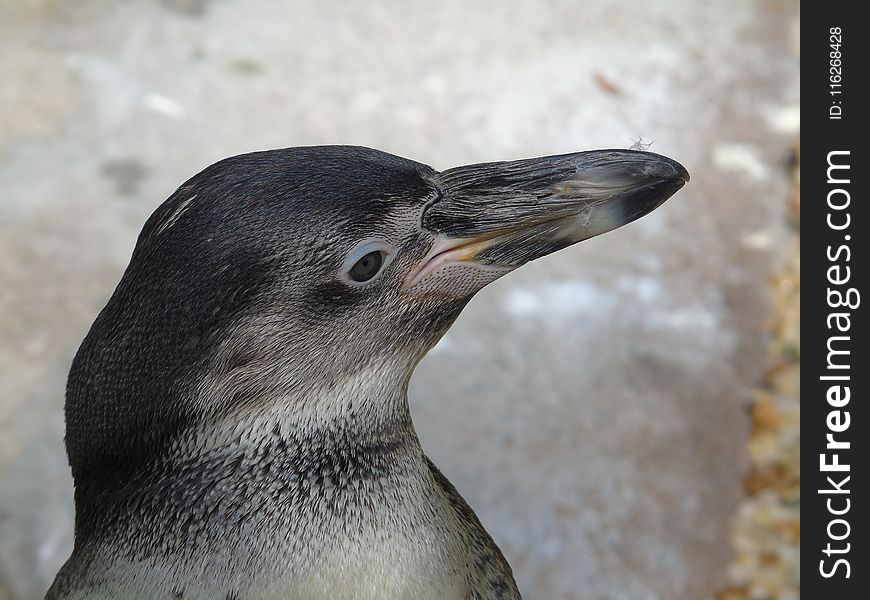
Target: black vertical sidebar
834	369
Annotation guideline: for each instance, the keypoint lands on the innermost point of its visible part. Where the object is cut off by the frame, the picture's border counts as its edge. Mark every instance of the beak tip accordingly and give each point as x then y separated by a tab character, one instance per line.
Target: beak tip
682	173
667	168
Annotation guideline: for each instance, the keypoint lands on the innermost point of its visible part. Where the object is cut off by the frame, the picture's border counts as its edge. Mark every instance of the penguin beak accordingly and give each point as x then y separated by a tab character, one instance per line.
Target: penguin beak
495	217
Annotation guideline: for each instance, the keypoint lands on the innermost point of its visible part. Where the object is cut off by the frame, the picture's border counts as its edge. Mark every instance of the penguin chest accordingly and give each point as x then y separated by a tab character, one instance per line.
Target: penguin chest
388	539
383	566
415	552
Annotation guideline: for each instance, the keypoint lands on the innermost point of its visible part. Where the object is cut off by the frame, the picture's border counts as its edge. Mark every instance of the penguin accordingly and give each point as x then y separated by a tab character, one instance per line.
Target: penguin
237	421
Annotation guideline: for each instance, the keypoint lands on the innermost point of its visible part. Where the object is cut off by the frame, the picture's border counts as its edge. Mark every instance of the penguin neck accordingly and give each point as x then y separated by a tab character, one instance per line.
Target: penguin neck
366	407
357	428
279	464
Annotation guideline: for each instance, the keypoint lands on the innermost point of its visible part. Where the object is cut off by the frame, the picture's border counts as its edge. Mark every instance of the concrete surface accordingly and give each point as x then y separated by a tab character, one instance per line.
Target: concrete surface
591	405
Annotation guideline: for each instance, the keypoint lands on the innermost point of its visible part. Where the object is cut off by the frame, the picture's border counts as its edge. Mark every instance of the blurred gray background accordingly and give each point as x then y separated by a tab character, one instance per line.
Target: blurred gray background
591	406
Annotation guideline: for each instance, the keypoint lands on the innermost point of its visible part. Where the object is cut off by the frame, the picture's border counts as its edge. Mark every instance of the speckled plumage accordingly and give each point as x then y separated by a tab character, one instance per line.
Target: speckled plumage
237	417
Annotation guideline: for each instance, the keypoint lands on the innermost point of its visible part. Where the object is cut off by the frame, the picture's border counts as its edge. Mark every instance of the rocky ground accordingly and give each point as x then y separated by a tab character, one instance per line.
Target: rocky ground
766	530
591	406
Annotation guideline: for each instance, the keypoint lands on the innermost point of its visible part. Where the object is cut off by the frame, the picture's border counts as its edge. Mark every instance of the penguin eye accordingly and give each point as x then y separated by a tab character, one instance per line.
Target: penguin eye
366	262
367	267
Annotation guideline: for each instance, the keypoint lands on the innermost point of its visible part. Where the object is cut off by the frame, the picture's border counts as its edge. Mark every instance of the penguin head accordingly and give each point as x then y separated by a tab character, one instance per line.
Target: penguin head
288	277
